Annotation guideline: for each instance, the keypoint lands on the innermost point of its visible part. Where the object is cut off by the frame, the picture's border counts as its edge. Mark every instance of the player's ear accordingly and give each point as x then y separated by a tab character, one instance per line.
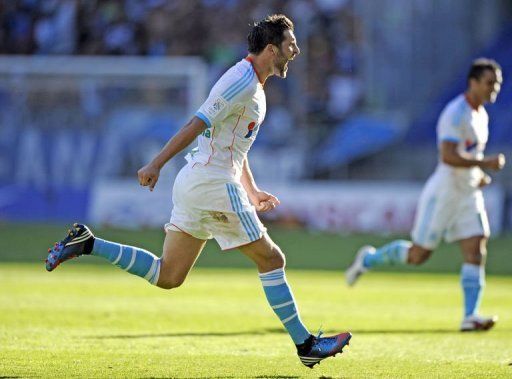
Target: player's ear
272	49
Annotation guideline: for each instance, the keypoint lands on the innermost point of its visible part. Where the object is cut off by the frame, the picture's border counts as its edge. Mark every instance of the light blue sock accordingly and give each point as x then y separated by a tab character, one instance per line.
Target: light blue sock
281	300
473	281
136	261
395	252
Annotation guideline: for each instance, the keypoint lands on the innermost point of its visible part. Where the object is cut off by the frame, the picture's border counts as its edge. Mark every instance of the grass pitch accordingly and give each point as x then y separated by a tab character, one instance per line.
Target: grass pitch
93	320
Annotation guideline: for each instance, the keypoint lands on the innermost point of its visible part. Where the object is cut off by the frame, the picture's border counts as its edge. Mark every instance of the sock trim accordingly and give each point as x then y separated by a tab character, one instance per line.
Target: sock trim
289	318
132	260
118	255
283	304
156	275
151	270
276	271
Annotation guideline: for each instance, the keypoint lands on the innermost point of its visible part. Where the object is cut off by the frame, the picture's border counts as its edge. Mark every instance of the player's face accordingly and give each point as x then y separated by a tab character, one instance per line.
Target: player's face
489	85
286	53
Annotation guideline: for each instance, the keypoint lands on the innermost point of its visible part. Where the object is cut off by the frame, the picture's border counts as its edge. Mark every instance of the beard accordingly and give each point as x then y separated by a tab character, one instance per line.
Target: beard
281	67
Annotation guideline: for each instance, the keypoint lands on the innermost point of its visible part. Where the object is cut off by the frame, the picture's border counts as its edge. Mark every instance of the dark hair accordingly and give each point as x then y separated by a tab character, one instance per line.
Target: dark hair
269	30
480	65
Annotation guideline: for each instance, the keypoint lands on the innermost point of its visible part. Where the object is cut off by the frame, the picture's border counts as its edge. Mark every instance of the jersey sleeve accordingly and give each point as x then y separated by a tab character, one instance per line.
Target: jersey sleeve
215	109
225	94
450	127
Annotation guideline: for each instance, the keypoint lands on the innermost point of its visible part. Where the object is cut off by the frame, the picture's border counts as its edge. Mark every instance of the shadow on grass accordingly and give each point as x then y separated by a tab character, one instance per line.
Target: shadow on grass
407	331
255	377
261	332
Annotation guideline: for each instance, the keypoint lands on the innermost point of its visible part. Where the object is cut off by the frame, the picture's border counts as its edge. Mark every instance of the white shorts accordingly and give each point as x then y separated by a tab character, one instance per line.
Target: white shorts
444	213
207	207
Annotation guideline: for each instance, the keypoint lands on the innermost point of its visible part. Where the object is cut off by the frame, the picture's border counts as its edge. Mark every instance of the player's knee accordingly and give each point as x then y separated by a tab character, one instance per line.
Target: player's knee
168	284
418	257
276	259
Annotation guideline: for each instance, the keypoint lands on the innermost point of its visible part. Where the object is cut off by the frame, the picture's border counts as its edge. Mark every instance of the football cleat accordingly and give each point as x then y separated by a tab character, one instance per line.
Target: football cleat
475	323
357	268
79	241
323	347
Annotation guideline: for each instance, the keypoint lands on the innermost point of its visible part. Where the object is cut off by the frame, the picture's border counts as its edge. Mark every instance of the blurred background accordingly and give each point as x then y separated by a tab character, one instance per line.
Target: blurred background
91	90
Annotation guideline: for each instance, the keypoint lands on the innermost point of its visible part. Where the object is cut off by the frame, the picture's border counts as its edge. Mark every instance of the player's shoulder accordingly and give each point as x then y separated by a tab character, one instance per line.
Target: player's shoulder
456	111
236	82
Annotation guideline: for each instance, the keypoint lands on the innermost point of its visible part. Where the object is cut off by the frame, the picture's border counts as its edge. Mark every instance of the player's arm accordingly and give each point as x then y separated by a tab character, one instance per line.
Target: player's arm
148	175
262	201
452	157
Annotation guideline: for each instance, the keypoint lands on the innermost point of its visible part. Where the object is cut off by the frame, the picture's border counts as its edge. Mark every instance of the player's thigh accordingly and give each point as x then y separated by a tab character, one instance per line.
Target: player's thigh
180	252
474	249
434	214
265	253
471	220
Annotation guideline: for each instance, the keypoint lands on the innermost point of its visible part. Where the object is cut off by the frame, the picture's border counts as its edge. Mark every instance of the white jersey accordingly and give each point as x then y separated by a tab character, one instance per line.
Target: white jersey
233	113
467	127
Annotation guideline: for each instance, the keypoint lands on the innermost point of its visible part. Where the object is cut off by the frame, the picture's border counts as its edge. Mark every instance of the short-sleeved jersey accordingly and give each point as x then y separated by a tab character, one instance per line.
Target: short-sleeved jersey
468	128
233	113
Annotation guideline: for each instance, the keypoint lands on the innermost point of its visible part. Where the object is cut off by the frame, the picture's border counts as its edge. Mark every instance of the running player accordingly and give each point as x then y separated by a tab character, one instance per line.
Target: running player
215	195
451	205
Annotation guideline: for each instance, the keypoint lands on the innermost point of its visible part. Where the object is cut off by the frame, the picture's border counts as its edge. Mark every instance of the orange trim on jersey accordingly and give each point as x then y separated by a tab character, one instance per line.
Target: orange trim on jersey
233	140
211	146
250	60
471	104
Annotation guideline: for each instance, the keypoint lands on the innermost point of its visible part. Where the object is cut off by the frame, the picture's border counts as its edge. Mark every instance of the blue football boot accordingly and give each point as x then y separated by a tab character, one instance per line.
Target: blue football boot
318	348
79	241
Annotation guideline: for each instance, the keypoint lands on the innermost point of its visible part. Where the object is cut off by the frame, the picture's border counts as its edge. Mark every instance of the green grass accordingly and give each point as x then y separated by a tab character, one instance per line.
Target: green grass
89	319
97	321
304	250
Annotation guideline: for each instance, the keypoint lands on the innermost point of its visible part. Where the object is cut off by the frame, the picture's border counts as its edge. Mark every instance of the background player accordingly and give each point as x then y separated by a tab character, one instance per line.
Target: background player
215	195
451	204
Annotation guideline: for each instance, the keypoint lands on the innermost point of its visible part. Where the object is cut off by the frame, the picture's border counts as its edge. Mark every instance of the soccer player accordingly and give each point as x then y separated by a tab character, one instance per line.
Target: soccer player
451	205
215	195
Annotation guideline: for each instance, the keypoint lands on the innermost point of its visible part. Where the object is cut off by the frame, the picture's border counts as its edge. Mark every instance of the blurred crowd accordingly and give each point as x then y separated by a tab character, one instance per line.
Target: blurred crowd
329	33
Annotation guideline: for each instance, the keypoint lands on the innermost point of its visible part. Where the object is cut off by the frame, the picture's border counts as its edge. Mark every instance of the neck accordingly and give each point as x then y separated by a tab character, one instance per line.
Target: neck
262	66
473	100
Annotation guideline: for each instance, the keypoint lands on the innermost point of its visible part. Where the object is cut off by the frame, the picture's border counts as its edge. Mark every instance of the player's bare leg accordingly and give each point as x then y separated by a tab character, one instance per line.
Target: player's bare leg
398	252
474	251
270	262
180	253
418	255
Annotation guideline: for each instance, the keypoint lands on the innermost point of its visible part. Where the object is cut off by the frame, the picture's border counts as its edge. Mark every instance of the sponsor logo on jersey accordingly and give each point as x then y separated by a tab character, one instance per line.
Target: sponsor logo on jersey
470	145
216	107
252	127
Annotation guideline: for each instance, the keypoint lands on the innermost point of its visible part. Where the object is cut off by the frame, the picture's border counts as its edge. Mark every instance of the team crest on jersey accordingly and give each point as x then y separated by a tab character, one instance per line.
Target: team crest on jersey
252	127
216	107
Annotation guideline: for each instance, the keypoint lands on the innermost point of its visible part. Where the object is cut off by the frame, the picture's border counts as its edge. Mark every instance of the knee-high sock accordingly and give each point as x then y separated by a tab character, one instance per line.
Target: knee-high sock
472	281
281	300
136	261
395	252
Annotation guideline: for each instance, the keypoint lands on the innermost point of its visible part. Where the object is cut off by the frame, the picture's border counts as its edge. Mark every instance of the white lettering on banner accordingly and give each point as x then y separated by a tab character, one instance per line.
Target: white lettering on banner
29	168
378	207
72	154
65	158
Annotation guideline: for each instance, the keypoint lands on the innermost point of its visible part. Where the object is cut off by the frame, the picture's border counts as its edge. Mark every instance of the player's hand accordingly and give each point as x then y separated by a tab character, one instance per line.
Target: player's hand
148	176
264	201
495	162
485	181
